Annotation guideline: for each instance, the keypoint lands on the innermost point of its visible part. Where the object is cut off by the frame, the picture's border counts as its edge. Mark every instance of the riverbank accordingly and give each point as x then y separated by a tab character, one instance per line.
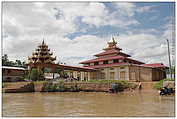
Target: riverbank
46	86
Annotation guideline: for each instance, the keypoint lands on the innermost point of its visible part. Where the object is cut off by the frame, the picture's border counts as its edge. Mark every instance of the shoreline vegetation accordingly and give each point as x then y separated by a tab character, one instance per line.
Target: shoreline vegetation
61	87
160	84
77	86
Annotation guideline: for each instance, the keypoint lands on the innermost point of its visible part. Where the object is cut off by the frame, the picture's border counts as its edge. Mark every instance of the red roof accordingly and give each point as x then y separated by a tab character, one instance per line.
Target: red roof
155	65
68	66
138	62
112	51
102	59
107	65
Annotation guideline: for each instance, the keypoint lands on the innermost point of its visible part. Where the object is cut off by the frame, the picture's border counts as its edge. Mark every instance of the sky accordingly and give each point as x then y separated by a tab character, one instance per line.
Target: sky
75	31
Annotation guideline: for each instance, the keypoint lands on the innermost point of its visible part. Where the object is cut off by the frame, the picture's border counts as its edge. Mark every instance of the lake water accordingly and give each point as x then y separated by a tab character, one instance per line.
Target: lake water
88	104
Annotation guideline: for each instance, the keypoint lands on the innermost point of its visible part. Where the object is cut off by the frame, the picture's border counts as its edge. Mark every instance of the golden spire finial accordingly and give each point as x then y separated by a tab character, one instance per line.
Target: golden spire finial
112	40
43	41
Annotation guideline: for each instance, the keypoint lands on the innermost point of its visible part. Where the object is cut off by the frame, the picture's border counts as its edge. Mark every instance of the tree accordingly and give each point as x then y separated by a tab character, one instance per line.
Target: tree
7	62
34	75
18	63
5	59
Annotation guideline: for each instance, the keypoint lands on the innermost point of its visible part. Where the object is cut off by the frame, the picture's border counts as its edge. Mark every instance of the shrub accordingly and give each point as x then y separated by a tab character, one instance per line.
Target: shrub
123	84
169	79
34	75
158	85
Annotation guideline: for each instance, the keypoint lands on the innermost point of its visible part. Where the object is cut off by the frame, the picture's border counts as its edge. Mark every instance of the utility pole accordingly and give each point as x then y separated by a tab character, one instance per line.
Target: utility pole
169	58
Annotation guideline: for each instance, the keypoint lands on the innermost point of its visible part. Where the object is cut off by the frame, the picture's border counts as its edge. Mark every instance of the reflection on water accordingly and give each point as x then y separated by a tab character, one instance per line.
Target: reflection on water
88	104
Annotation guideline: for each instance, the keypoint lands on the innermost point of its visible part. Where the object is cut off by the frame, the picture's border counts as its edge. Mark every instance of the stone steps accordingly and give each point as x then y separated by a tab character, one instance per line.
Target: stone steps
147	85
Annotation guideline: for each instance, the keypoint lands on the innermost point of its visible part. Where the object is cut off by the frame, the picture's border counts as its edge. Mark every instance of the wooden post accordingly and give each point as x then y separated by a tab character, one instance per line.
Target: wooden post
169	58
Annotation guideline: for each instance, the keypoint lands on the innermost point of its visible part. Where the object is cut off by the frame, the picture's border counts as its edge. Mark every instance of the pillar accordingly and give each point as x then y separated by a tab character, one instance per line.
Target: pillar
88	76
116	74
82	75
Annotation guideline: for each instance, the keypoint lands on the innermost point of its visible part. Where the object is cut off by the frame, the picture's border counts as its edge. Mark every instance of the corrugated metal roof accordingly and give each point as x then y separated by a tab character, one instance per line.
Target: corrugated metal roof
102	59
89	68
10	67
155	65
112	51
108	65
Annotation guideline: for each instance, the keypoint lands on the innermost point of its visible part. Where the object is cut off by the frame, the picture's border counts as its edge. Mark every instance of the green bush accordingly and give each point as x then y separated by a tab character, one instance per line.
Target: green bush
169	79
34	75
59	87
123	84
158	85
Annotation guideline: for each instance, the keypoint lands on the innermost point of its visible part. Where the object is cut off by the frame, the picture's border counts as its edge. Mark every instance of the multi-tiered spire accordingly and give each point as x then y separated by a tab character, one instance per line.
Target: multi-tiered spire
112	44
42	55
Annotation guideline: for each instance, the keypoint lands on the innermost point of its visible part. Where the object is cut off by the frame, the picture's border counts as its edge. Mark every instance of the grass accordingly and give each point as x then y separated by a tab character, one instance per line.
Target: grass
159	85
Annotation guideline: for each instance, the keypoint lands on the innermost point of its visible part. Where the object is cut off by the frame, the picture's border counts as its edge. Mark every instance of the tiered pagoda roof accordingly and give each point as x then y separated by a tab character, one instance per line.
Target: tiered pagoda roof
112	49
111	52
42	55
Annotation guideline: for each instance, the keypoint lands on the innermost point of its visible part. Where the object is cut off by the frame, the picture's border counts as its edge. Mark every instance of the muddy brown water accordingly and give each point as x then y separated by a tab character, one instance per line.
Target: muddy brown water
93	104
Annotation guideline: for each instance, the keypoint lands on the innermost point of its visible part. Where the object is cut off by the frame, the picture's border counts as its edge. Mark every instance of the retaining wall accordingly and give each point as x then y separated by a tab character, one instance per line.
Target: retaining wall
84	86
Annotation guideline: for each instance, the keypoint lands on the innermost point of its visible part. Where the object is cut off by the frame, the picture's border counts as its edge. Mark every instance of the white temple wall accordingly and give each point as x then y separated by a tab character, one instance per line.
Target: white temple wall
101	62
82	76
110	61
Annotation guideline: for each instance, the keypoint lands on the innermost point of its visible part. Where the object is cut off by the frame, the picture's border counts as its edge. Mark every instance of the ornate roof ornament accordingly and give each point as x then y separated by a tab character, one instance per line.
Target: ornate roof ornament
42	55
112	40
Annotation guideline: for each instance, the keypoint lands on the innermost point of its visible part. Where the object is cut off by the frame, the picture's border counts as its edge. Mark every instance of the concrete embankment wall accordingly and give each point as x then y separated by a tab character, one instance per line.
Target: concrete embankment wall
39	87
18	87
84	86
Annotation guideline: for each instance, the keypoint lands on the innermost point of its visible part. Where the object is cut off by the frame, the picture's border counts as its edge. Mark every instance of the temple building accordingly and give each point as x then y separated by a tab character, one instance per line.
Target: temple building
42	59
113	64
11	73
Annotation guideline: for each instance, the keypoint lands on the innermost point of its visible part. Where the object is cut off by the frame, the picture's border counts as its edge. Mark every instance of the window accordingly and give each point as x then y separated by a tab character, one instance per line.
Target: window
122	75
95	63
112	75
102	75
125	60
116	61
86	64
105	62
111	68
121	67
133	75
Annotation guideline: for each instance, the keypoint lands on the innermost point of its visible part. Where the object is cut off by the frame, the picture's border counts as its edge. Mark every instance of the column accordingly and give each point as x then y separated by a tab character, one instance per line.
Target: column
107	74
88	76
82	76
75	74
116	74
127	73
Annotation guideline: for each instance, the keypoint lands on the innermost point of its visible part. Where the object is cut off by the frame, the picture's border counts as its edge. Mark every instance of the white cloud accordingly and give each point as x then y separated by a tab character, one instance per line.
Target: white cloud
145	9
25	25
126	8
